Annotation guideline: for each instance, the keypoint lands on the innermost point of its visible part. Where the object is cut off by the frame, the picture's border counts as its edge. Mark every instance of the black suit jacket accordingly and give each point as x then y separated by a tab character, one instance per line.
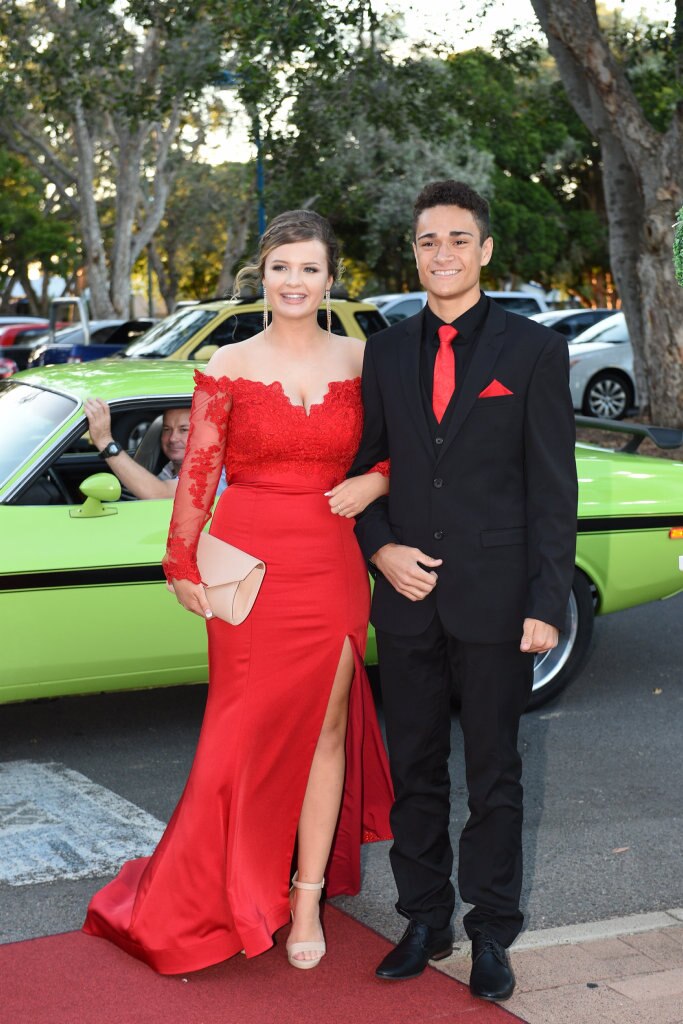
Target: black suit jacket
496	499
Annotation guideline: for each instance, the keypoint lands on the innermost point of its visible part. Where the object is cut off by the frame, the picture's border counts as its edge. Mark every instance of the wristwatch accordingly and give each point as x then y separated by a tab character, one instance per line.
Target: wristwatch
111	449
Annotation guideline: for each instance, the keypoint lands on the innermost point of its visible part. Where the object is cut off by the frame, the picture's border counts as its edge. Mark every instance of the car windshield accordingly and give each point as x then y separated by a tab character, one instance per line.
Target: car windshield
28	415
370	321
613	331
166	337
517	303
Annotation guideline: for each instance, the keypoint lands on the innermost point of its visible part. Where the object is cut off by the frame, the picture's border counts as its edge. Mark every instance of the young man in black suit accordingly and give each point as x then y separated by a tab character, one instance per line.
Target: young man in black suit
474	552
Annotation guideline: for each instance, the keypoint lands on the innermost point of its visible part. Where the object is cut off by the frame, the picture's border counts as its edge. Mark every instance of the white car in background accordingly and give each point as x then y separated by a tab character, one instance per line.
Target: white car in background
601	375
399	305
571	322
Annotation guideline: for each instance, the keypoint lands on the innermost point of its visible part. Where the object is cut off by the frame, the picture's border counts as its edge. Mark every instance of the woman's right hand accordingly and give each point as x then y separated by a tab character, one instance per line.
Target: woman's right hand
192	596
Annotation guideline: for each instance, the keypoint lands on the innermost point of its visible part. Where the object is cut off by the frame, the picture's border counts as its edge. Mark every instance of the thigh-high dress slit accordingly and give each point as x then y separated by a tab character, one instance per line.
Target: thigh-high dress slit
218	881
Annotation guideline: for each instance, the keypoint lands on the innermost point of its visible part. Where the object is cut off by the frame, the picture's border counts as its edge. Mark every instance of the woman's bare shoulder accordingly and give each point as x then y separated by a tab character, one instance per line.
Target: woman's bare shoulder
232	361
355	349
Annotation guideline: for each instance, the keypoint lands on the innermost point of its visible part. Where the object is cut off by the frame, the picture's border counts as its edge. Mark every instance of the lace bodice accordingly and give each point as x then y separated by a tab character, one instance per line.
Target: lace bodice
259	435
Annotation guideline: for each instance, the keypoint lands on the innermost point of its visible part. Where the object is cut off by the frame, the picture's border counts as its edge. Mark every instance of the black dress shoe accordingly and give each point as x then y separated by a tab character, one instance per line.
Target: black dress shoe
491	976
419	945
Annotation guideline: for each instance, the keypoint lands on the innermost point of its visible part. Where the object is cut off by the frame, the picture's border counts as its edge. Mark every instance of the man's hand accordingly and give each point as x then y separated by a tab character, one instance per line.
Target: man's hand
99	422
398	563
352	496
538	637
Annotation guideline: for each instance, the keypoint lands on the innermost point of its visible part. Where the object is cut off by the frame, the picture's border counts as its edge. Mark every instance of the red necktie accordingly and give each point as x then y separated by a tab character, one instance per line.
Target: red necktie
444	371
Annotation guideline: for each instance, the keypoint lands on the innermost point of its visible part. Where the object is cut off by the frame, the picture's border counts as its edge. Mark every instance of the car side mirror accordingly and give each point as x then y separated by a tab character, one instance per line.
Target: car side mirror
97	488
205	352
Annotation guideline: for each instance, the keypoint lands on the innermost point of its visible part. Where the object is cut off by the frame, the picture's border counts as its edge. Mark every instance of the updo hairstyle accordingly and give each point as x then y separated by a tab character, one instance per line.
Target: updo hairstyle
293	226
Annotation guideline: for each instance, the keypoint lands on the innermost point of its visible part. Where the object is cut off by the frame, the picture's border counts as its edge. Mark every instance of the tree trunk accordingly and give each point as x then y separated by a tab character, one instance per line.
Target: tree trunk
167	277
101	306
641	193
127	193
6	294
235	248
33	301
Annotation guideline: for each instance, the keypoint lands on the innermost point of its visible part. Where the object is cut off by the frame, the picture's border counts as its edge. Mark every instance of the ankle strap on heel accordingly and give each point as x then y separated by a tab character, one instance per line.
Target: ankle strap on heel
307	885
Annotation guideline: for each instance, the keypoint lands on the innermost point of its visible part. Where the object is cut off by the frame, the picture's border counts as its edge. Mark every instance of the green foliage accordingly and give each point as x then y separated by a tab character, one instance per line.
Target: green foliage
32	230
646	52
678	247
198	216
100	53
360	145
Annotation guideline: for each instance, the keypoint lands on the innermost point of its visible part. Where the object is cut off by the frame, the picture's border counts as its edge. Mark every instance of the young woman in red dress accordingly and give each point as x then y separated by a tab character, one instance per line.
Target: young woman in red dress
290	768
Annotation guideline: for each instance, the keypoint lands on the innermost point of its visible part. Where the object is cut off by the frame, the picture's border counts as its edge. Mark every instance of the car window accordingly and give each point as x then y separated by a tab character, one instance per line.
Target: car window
98	337
402	310
335	323
127	332
518	304
370	321
28	416
166	337
240	327
615	334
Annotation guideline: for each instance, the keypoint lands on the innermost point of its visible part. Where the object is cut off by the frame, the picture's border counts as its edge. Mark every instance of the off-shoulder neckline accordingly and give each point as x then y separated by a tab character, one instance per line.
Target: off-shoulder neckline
224	380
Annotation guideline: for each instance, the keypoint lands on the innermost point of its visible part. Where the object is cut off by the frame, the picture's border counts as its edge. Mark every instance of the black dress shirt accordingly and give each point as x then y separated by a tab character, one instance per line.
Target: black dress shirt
468	327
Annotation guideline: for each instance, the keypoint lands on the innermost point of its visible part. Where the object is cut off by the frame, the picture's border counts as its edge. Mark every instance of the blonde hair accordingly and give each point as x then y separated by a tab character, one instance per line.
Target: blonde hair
292	226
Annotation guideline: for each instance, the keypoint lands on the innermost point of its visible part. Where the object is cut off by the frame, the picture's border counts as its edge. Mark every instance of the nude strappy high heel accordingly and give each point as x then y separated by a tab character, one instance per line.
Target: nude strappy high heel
305	947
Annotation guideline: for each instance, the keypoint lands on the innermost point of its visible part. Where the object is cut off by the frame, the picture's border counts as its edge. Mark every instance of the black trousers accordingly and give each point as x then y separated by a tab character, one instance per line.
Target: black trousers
494	681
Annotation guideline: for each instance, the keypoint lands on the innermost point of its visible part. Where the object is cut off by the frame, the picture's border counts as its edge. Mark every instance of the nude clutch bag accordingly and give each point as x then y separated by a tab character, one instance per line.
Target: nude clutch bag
231	578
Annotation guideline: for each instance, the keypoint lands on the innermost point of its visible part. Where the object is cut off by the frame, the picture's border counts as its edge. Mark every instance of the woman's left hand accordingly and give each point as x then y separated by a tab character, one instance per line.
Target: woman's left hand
352	496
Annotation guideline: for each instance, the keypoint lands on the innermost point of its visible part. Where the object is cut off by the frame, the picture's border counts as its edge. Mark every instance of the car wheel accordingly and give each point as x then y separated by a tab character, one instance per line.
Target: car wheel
555	669
130	429
609	396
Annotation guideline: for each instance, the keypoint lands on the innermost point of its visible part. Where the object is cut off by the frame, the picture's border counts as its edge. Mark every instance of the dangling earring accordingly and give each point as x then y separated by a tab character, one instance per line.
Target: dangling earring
265	310
329	312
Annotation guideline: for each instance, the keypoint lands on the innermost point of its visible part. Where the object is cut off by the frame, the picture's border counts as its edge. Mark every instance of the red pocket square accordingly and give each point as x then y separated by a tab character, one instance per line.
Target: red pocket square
494	390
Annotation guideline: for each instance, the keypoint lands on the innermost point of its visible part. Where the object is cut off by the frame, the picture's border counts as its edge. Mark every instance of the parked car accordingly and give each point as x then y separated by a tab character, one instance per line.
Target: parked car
399	305
71	345
601	375
7	368
9	332
571	322
197	331
84	576
6	321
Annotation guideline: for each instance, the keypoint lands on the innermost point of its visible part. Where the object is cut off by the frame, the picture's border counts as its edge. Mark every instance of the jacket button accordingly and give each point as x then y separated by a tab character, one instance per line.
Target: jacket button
438	535
438	482
438	440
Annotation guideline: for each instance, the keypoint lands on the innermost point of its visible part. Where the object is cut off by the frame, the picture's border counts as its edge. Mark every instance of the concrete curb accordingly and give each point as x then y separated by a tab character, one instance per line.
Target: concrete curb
607	929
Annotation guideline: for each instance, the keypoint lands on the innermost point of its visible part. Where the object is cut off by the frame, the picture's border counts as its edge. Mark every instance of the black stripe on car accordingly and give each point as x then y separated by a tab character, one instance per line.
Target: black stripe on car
621	524
116	575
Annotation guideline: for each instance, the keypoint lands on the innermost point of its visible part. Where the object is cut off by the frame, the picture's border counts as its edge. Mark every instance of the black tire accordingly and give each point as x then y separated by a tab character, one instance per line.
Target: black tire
554	670
609	396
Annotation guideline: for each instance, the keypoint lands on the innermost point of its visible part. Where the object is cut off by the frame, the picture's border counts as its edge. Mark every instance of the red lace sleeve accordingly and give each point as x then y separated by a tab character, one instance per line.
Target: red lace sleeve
199	474
382	467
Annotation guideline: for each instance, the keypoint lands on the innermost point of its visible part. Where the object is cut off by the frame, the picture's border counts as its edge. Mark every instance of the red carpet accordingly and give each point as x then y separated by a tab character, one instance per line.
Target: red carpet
76	979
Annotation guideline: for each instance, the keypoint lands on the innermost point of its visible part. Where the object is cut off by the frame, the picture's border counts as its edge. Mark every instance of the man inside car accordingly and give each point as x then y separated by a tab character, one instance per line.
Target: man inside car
138	480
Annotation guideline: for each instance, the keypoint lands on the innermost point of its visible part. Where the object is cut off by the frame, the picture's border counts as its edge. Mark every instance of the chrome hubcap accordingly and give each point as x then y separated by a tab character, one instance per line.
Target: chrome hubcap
607	398
547	666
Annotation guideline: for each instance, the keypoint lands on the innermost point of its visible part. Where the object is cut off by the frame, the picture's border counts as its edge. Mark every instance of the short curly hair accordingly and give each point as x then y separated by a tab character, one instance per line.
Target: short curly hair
454	193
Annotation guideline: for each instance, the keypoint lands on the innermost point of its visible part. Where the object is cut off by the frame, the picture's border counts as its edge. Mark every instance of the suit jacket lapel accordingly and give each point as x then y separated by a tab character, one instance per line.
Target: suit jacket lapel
409	371
480	370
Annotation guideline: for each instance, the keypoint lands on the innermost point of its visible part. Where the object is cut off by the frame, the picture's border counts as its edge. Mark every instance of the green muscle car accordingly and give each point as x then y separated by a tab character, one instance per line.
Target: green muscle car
83	605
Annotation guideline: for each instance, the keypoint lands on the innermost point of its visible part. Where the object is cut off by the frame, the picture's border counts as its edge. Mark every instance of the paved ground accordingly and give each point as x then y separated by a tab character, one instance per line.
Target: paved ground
603	778
629	977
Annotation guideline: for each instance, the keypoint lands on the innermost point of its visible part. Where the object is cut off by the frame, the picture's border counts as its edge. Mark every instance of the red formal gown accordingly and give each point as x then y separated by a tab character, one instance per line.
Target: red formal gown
218	881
